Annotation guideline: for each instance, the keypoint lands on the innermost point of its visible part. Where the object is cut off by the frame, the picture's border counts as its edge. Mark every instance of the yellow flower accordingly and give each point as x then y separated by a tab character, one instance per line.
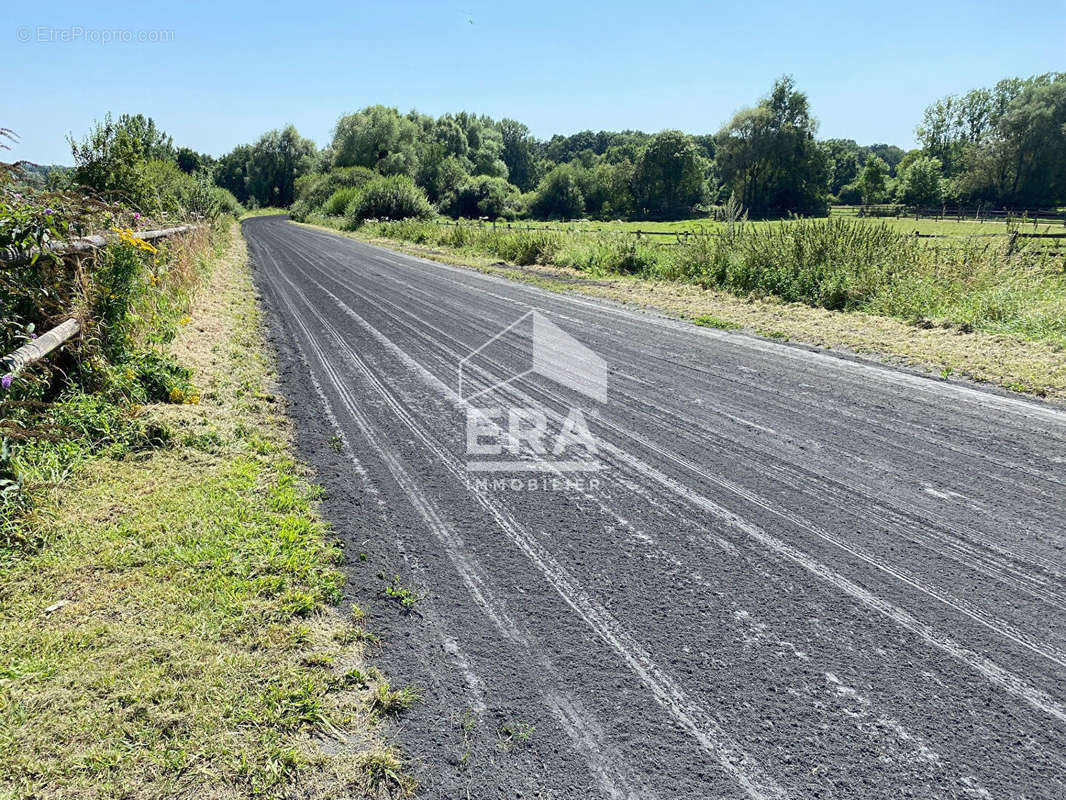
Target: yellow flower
126	235
176	395
155	280
135	409
193	399
186	320
128	375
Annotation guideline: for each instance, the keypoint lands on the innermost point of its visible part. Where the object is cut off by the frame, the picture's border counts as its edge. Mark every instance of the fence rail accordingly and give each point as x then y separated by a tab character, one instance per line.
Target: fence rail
981	213
40	347
15	257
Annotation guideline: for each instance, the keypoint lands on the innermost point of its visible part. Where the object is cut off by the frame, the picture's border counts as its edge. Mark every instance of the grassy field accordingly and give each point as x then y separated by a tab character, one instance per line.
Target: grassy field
928	227
172	630
971	315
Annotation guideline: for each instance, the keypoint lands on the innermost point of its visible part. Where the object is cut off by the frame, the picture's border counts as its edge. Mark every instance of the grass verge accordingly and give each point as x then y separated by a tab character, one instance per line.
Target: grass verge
1031	365
173	631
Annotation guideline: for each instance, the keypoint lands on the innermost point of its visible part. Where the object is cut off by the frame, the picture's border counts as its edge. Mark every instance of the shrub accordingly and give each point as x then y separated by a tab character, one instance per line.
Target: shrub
226	201
339	201
314	189
391	197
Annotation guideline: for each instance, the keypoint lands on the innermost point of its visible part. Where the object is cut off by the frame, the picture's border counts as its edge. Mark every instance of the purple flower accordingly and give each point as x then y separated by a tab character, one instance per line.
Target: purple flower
136	214
49	211
6	380
33	335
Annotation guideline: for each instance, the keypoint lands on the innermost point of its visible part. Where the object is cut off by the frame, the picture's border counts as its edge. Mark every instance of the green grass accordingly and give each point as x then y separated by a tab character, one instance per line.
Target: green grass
711	321
172	629
946	227
266	211
837	264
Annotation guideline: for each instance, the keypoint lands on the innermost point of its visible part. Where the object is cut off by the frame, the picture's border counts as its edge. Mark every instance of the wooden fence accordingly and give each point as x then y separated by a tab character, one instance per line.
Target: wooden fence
47	342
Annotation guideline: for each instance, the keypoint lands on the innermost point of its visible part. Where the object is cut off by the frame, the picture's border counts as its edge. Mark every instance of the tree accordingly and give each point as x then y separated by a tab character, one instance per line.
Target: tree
768	158
842	162
670	175
558	195
189	161
920	182
1006	144
274	164
872	180
518	154
112	157
231	172
482	196
379	138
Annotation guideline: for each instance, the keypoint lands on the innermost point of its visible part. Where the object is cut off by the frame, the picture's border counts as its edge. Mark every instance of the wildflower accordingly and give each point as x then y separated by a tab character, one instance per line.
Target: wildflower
136	215
176	395
135	409
33	335
49	212
185	320
193	399
155	280
128	375
6	380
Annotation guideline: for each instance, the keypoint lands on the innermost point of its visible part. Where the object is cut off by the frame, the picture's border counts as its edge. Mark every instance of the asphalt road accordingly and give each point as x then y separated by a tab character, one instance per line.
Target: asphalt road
784	573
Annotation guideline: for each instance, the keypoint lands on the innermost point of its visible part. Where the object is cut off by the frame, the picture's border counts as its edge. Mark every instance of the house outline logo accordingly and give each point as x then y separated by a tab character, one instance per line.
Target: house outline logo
555	355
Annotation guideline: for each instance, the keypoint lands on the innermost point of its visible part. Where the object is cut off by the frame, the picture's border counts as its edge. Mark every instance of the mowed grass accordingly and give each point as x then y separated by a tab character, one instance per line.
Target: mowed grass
174	632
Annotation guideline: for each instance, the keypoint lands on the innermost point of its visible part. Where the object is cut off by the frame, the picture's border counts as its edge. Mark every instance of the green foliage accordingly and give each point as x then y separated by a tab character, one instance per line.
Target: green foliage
314	189
274	163
1003	145
558	196
482	196
226	202
338	202
838	264
670	176
872	180
378	138
768	158
920	182
391	197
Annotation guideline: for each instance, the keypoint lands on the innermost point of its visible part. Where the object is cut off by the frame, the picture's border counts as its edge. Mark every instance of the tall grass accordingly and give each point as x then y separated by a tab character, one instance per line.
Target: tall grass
997	285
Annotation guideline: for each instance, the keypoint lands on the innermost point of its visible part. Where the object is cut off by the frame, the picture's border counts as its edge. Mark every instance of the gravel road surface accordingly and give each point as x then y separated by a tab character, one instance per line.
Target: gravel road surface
754	570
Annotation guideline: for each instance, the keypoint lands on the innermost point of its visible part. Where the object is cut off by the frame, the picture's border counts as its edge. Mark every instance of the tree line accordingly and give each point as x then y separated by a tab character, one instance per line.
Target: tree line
1004	146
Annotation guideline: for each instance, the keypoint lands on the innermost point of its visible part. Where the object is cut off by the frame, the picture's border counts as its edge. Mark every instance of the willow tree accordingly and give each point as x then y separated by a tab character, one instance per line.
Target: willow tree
767	155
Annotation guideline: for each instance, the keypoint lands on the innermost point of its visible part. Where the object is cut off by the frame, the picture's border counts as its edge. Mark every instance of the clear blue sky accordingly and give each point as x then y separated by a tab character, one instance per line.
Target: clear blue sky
235	69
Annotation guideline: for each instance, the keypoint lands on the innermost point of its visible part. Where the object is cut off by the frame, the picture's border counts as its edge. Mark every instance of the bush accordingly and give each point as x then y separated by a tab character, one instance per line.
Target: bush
314	189
339	201
391	197
226	201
